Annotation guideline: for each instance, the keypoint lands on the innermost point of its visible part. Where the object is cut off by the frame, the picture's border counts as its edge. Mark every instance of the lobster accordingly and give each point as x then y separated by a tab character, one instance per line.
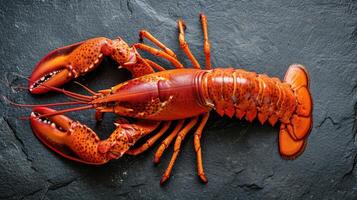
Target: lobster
157	100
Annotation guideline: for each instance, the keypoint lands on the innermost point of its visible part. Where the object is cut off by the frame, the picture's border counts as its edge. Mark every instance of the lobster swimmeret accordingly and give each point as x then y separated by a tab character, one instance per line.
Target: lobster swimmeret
157	99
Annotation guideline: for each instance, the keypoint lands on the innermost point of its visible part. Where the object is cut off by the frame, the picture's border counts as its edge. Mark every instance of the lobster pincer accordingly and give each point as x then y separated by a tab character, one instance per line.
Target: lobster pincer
66	63
78	142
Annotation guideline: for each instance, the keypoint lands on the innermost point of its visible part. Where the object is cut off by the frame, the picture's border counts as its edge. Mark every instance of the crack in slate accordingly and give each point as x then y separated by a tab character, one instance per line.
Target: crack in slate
21	196
137	185
21	143
55	186
16	136
239	171
354	34
32	193
123	194
305	193
354	127
354	131
355	86
252	186
350	172
269	176
129	7
331	120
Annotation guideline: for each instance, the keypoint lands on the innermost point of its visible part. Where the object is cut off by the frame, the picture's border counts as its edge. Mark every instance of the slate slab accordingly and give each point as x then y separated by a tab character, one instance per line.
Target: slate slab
241	159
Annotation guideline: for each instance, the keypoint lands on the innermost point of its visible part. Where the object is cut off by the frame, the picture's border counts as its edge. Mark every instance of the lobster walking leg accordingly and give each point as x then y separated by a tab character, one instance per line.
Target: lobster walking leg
184	46
180	137
150	141
159	53
145	34
197	143
184	131
206	43
139	68
165	144
155	65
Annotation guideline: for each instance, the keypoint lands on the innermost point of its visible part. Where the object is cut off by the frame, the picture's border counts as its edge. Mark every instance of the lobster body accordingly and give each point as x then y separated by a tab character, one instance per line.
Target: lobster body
183	93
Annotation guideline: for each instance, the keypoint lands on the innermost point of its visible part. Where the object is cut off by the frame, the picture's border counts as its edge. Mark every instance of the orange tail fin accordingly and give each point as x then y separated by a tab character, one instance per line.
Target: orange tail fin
293	136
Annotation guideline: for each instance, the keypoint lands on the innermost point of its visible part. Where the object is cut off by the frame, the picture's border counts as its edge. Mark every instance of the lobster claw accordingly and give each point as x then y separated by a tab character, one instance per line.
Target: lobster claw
66	63
77	142
52	70
56	132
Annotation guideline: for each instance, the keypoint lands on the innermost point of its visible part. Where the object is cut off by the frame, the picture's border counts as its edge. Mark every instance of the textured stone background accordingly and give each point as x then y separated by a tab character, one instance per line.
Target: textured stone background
241	159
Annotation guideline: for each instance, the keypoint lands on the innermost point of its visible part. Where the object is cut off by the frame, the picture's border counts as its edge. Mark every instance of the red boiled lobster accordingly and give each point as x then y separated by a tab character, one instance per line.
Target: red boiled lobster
183	97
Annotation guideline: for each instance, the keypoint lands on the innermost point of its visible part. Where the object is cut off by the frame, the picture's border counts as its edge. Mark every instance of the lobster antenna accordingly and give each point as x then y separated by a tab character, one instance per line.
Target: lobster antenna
58	112
49	104
86	88
66	92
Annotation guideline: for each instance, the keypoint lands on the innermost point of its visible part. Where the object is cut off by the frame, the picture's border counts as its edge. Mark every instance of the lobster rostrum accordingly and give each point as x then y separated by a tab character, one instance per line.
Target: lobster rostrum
179	97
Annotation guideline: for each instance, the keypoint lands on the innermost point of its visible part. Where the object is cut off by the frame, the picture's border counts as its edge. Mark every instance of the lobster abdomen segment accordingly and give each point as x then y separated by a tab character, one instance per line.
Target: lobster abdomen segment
242	93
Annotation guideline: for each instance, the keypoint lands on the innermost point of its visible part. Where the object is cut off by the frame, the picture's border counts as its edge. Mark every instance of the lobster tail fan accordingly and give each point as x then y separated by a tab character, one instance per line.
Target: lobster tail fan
293	136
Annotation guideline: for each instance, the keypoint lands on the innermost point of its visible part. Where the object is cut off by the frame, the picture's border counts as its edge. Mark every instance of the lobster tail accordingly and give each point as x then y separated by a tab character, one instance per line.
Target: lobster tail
236	92
293	135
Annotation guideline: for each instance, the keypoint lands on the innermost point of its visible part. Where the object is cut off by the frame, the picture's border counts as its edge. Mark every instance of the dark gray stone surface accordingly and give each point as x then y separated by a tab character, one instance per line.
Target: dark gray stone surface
241	159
